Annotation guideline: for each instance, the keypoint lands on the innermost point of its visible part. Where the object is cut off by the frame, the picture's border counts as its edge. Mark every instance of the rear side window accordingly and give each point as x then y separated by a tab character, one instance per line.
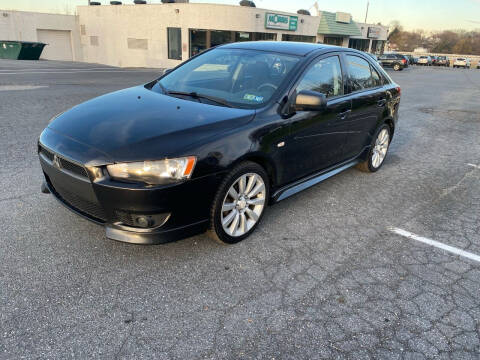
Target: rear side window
360	73
324	76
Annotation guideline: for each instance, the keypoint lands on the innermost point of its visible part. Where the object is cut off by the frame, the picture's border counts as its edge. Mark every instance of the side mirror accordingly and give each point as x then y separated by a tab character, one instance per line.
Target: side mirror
307	100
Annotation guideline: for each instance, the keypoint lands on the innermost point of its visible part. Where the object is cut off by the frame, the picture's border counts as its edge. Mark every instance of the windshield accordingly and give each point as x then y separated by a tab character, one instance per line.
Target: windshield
241	78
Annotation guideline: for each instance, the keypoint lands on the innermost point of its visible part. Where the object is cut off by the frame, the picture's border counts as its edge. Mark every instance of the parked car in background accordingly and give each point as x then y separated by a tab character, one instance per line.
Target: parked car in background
425	60
442	61
408	60
395	61
462	63
478	65
434	59
208	145
411	59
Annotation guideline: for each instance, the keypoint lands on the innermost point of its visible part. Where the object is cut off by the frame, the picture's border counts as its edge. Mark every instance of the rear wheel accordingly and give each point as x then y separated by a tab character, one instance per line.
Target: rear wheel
396	67
239	203
378	150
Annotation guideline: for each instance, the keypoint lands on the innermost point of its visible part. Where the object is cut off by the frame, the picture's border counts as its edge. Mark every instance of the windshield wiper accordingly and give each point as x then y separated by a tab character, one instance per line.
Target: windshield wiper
196	95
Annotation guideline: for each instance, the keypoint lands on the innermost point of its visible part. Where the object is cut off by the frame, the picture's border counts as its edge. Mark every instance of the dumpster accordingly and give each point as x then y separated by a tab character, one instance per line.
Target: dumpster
21	50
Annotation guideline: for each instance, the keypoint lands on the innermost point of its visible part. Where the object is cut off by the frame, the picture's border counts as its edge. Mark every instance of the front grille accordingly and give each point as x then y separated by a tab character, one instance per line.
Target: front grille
64	163
88	208
72	167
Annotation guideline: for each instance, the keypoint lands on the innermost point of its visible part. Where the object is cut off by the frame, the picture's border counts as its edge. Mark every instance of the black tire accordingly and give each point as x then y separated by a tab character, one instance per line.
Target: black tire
367	166
216	230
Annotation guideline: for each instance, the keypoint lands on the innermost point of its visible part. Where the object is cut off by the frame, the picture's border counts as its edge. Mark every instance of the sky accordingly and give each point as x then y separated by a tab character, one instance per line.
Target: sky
429	15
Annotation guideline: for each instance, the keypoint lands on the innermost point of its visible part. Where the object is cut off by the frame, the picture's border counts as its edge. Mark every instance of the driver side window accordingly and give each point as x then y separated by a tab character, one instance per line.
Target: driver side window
324	76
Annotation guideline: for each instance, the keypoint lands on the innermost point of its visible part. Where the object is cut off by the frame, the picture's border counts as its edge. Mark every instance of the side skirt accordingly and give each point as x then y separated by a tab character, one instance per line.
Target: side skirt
311	180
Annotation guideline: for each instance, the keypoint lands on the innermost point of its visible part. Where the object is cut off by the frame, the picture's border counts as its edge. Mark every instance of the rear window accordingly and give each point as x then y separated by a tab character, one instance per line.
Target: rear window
423	57
461	59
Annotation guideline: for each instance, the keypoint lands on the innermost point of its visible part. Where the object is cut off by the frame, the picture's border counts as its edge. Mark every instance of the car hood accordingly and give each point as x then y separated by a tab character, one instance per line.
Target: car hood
137	124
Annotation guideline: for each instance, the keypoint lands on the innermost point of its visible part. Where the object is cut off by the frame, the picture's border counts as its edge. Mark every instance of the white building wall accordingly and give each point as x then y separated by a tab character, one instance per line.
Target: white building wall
114	24
23	26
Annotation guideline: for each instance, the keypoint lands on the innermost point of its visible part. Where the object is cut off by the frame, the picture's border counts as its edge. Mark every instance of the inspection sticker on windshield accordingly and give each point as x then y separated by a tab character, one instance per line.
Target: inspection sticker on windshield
252	97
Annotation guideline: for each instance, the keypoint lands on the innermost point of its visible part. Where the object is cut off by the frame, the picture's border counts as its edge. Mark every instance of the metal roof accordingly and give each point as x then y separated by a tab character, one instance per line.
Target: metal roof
330	26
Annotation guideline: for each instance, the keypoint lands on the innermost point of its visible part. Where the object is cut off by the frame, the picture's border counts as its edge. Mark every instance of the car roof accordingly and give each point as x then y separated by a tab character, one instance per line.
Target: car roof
285	47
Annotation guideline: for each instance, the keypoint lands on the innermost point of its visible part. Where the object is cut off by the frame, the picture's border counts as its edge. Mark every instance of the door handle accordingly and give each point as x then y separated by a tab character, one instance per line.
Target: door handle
382	102
343	115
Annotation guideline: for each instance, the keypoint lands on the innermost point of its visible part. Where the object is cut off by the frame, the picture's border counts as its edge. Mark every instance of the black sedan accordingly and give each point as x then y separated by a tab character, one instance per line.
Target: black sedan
210	144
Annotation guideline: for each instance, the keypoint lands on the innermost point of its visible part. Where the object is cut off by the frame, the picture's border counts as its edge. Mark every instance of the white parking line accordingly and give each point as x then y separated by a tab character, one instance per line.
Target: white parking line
57	69
475	166
21	87
436	244
72	72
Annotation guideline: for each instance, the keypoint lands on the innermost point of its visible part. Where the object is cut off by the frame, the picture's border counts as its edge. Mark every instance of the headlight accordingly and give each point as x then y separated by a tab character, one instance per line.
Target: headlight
154	172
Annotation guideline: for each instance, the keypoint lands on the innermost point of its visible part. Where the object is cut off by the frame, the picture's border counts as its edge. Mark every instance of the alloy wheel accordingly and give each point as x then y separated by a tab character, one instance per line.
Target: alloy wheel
243	204
381	147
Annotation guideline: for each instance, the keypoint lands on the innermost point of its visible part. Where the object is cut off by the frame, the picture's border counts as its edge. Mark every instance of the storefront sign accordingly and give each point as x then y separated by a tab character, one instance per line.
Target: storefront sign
281	22
373	33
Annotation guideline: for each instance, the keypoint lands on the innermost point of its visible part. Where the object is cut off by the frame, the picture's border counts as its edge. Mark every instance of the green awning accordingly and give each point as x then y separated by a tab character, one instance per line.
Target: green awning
330	26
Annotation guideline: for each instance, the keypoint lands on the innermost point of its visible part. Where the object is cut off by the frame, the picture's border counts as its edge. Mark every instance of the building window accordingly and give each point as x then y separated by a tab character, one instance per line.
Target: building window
94	40
219	37
359	44
300	38
198	41
255	36
139	44
174	43
333	40
264	36
378	46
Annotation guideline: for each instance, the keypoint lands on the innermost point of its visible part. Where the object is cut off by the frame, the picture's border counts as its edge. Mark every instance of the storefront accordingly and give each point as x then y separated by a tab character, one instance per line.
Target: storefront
372	39
172	32
163	35
201	39
336	28
339	29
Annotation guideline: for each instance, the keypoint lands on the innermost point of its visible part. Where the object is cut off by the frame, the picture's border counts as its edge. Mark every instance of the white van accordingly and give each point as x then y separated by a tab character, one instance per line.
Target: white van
462	62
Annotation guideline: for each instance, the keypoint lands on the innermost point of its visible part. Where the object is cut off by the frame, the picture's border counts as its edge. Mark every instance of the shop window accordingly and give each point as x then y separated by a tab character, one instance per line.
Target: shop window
243	36
359	44
198	41
174	43
378	46
299	38
333	40
258	36
219	37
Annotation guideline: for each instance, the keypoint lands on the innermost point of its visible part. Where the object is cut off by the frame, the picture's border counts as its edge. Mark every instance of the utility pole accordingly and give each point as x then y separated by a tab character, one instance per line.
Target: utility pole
366	14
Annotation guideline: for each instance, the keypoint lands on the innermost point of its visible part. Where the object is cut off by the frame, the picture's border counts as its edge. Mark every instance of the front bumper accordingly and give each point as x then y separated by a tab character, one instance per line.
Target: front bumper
183	209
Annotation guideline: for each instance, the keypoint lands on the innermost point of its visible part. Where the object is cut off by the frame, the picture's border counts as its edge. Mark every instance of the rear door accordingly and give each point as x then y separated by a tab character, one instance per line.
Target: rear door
368	96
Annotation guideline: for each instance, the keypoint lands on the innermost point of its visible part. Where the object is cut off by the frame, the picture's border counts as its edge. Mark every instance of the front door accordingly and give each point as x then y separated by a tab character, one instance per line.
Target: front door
317	138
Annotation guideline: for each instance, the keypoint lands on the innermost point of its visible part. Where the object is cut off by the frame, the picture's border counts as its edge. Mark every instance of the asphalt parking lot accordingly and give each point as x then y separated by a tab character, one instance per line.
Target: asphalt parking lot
324	276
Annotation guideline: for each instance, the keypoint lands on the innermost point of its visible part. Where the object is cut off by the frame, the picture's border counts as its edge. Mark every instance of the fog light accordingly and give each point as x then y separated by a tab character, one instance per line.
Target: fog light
144	221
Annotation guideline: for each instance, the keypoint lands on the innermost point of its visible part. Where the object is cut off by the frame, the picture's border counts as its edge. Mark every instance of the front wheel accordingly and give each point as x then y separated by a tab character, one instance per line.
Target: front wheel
239	203
378	150
396	67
